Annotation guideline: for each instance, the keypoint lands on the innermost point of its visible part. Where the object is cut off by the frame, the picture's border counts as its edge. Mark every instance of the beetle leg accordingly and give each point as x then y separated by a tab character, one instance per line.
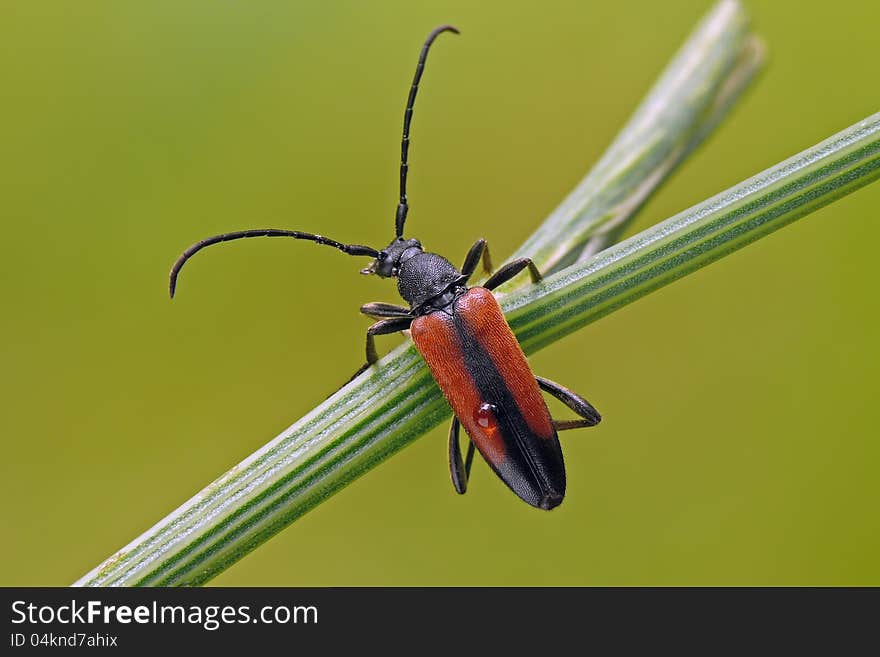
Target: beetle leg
480	250
461	472
510	270
574	401
564	425
379	310
384	327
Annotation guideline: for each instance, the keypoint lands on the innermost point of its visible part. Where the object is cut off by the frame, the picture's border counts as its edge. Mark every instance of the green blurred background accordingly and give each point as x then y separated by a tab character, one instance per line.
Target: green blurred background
740	437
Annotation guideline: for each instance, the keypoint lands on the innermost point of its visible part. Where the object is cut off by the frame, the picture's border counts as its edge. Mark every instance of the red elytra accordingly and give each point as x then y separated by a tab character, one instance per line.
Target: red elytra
438	337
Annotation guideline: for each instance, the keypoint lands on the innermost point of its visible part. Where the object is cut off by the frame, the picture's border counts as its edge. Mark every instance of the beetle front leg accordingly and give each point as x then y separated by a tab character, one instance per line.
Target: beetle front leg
510	270
460	471
574	401
384	327
480	250
380	310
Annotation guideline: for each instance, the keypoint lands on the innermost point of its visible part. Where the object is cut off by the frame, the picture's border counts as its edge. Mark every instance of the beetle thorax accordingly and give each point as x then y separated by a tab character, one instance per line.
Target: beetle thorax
426	276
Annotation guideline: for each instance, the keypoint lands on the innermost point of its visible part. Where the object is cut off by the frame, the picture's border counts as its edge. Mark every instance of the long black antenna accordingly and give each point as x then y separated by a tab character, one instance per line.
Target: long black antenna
403	206
350	249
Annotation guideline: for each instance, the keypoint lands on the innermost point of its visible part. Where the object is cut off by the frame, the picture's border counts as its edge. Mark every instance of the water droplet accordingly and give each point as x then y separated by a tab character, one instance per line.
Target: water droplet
486	417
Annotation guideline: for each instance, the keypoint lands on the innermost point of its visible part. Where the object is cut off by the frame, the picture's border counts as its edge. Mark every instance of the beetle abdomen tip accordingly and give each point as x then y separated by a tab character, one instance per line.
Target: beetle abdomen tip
550	500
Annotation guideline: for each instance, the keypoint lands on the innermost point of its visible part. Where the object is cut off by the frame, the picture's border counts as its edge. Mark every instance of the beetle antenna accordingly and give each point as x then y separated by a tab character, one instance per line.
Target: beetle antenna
403	206
350	249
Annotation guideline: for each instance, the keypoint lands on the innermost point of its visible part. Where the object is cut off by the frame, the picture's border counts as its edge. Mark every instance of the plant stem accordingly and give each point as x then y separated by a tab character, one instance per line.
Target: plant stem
692	239
387	408
396	401
692	95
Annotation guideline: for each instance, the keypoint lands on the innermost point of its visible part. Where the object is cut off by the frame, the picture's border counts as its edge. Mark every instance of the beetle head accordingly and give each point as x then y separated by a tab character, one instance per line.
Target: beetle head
388	262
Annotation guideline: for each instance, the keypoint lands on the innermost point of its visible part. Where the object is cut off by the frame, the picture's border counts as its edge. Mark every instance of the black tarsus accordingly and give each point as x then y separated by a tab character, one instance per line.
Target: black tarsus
350	249
403	205
565	425
381	310
480	250
384	327
574	401
460	471
510	270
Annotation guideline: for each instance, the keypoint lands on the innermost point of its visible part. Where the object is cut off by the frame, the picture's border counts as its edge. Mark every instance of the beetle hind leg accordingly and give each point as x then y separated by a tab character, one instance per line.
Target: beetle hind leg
460	470
574	401
565	425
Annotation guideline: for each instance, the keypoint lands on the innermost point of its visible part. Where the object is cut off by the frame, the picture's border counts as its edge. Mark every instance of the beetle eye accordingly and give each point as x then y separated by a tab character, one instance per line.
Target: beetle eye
382	255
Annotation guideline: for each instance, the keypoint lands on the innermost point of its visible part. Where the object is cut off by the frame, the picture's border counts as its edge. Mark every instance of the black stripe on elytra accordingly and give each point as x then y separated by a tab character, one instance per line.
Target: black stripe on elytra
493	390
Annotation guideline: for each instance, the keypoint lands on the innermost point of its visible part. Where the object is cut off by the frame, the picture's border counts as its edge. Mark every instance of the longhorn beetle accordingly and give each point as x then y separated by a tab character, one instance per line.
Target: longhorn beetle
467	344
